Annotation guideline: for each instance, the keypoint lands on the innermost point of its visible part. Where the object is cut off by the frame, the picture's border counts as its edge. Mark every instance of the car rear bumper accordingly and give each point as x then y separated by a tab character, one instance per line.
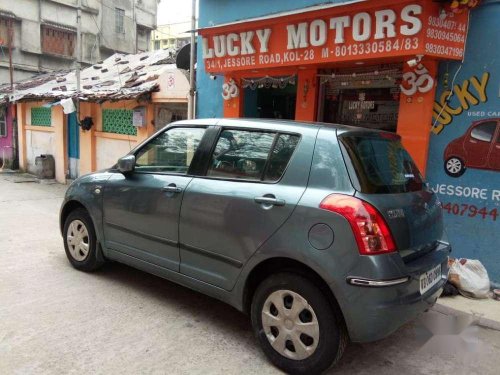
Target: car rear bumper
373	312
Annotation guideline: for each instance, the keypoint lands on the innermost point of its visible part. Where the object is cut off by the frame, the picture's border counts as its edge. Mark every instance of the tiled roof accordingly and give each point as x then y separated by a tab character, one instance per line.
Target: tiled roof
29	83
118	77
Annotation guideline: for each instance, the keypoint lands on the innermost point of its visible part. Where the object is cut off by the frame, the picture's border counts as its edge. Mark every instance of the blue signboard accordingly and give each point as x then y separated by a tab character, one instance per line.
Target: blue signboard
464	156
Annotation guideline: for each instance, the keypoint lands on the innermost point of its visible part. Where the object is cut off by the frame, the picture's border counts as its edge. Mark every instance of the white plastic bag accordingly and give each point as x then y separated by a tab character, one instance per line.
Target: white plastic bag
470	277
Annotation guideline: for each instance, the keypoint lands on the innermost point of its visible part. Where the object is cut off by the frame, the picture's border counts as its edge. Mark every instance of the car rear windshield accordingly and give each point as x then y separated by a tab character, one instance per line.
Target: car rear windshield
381	163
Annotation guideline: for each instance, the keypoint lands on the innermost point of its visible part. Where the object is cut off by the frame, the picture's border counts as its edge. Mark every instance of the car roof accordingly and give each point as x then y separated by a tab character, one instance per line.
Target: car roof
284	125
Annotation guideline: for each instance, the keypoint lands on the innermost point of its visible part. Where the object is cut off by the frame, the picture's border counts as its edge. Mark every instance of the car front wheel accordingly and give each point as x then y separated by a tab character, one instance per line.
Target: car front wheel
298	328
454	166
80	241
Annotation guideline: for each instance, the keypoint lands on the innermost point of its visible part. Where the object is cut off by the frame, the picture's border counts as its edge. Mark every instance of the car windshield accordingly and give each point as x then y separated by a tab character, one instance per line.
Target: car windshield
381	163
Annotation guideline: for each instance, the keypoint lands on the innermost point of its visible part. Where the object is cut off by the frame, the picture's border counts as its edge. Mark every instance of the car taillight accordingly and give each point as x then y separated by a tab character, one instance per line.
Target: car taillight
370	229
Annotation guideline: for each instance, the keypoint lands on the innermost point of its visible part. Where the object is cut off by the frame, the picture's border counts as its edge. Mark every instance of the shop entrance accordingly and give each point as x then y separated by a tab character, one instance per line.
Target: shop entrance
366	97
270	97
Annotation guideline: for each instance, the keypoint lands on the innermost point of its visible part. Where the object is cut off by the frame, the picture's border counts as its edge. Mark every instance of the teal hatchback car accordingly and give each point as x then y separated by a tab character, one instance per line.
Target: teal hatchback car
323	234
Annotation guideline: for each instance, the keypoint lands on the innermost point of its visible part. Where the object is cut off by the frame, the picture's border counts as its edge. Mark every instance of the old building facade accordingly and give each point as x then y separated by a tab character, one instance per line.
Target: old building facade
42	33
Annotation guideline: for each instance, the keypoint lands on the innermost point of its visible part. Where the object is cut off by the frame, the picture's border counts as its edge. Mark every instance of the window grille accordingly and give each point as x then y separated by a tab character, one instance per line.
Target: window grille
41	116
119	18
118	121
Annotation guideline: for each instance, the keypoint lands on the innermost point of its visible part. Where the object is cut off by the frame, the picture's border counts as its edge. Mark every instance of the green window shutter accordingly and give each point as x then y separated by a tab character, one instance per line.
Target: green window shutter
118	121
41	116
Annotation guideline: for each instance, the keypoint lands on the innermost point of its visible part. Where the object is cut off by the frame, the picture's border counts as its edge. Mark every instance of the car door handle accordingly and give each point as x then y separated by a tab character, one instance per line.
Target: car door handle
269	201
472	141
171	189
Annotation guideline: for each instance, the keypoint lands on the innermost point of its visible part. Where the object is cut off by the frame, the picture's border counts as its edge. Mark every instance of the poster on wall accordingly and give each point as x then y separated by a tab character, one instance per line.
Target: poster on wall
464	155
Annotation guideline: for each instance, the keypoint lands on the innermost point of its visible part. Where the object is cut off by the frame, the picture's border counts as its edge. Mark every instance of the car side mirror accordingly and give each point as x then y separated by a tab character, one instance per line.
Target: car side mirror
126	164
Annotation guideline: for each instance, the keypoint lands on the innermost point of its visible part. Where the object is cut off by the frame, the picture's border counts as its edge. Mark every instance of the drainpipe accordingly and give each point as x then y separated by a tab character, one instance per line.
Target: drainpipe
192	85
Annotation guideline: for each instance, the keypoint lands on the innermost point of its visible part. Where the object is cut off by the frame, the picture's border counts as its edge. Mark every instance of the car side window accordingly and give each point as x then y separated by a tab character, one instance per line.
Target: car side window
241	154
170	152
484	132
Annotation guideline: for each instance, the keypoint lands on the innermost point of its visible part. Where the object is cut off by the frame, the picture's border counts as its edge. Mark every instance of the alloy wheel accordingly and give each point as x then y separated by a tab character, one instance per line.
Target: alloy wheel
290	324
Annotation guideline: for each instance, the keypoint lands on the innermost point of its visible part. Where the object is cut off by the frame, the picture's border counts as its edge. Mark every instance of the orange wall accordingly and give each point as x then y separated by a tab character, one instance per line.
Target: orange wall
88	151
415	111
415	118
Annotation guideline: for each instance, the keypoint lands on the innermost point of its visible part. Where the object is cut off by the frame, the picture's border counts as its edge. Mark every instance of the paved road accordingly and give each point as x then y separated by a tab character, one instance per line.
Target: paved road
56	320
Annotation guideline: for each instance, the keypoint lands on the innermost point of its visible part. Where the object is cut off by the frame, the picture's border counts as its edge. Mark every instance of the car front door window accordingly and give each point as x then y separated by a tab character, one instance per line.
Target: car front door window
170	152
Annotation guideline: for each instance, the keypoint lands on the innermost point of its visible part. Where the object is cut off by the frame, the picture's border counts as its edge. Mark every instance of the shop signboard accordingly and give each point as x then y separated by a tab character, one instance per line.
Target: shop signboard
464	156
357	31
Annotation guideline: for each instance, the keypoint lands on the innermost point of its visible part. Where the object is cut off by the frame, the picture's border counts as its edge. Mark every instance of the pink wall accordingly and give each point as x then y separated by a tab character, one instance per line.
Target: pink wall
6	142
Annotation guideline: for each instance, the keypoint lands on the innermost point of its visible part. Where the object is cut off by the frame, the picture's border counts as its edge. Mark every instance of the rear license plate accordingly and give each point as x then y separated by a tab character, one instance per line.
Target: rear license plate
429	279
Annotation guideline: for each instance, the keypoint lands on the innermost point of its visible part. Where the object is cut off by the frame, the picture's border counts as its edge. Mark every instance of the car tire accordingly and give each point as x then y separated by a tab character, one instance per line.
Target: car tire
314	353
80	242
454	167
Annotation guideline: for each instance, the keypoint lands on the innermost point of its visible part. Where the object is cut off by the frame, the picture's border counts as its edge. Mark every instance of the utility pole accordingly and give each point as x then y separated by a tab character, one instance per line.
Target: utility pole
13	112
192	85
78	56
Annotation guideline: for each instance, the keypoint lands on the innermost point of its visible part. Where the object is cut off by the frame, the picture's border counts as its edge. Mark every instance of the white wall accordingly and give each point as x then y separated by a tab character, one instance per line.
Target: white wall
38	143
108	151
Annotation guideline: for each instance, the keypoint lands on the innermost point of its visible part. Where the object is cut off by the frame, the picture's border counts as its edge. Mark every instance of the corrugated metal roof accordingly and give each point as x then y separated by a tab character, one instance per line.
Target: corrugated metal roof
118	77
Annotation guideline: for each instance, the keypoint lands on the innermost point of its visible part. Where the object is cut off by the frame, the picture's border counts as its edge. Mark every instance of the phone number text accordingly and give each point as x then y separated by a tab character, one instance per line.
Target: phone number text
470	210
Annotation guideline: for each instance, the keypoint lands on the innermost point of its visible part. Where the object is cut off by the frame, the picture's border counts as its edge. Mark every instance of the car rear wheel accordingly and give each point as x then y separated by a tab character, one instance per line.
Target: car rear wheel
298	328
80	242
454	166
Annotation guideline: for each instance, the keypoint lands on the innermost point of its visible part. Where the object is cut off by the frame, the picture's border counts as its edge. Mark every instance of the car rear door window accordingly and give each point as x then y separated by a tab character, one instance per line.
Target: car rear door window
484	132
381	164
280	156
241	154
170	152
251	155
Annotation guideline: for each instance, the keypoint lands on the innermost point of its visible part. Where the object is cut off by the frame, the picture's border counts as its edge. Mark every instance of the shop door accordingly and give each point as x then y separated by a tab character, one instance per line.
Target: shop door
365	97
73	146
270	98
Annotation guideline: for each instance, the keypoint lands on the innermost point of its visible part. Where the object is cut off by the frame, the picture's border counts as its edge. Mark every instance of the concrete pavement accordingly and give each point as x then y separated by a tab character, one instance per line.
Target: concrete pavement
486	311
54	319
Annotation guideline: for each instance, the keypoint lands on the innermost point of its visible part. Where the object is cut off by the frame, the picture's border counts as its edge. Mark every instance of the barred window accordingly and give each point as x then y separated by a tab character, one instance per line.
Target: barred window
119	18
